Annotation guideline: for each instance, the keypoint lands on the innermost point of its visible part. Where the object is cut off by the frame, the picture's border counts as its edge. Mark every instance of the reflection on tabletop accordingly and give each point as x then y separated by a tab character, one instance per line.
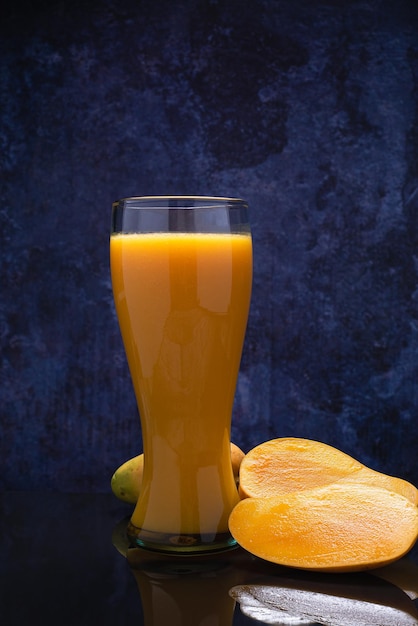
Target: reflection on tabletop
225	588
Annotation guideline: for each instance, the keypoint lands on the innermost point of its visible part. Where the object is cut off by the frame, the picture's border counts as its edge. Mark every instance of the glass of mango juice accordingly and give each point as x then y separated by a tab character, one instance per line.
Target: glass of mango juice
181	271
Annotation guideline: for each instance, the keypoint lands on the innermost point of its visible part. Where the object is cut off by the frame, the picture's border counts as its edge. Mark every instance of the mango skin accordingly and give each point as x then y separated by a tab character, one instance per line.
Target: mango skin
237	456
126	480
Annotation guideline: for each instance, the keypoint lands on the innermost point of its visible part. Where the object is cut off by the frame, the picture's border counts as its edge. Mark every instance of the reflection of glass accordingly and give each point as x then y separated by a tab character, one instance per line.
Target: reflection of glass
185	593
181	274
195	590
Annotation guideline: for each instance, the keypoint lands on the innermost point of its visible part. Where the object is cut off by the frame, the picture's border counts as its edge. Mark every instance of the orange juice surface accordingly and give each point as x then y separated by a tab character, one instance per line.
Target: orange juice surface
182	302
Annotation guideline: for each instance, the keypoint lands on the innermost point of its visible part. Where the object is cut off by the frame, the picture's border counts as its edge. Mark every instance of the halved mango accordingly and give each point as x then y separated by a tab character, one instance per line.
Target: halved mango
291	464
336	527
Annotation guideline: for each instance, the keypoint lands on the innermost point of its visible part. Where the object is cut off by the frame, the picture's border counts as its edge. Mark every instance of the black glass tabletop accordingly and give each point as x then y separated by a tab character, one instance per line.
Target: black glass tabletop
65	560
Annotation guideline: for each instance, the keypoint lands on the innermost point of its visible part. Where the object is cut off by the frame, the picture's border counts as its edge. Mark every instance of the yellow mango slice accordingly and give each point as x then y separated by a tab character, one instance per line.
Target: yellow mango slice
336	527
290	464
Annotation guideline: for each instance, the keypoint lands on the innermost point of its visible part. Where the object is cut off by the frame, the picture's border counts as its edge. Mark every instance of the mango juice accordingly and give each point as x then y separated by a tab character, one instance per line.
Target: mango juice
182	301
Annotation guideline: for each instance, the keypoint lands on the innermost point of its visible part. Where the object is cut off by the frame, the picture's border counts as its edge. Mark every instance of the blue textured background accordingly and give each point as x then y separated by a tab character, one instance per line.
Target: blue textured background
309	110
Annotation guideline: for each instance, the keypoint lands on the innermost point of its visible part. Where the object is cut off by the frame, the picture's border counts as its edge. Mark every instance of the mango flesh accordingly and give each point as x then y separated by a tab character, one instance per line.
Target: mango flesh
332	528
367	476
127	479
291	464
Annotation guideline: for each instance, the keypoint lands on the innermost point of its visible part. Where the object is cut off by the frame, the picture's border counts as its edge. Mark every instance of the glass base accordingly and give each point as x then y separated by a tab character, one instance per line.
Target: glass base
183	544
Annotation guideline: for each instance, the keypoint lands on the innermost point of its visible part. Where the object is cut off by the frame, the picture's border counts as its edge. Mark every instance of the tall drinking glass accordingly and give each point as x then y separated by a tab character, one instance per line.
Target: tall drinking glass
181	273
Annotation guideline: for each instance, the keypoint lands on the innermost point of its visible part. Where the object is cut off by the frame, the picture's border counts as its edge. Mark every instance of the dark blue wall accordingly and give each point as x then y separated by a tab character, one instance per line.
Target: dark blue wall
309	110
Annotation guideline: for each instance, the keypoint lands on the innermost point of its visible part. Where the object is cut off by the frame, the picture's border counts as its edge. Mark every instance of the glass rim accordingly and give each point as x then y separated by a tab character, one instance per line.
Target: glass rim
164	200
213	214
